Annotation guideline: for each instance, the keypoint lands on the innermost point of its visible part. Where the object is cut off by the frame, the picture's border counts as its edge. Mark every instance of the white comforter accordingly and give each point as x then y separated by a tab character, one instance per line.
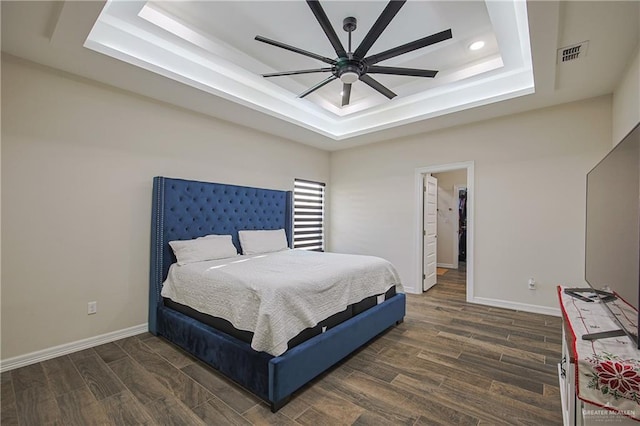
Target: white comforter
277	295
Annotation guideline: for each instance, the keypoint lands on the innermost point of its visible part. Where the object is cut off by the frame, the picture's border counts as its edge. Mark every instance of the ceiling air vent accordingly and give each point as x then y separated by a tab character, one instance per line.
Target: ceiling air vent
573	52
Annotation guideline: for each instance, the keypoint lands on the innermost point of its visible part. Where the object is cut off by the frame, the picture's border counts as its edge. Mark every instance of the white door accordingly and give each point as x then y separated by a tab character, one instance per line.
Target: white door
430	234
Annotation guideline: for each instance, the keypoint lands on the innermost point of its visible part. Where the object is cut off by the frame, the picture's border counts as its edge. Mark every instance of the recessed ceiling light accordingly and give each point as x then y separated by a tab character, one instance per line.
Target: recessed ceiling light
476	45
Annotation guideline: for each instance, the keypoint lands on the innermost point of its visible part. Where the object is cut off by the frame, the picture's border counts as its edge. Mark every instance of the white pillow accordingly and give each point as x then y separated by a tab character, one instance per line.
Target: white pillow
256	242
209	247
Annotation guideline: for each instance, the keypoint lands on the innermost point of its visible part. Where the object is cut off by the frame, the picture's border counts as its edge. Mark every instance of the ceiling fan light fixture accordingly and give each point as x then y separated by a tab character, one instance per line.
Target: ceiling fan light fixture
349	77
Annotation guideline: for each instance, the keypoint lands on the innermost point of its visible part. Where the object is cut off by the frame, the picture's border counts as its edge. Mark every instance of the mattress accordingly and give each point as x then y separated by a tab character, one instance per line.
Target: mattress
280	296
306	334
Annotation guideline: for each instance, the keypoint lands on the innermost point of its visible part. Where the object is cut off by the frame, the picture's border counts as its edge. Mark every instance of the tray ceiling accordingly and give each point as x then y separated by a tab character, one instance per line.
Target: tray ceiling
202	56
210	46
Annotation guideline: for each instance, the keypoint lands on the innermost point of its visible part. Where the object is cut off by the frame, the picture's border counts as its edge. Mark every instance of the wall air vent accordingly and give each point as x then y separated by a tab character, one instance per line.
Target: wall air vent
573	52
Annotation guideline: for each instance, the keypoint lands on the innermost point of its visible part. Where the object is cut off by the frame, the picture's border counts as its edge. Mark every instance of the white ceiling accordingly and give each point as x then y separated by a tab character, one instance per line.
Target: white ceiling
202	56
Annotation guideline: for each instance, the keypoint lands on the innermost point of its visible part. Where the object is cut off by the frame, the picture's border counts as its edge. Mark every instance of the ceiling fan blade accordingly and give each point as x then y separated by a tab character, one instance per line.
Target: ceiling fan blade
317	86
409	47
296	50
375	69
384	19
278	74
377	86
318	11
346	94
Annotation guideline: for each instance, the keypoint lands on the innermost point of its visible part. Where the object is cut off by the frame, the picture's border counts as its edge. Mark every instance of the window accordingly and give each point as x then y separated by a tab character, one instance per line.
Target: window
308	215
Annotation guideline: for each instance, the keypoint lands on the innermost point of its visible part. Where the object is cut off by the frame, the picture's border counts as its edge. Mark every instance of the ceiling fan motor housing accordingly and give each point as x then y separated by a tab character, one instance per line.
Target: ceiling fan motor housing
348	70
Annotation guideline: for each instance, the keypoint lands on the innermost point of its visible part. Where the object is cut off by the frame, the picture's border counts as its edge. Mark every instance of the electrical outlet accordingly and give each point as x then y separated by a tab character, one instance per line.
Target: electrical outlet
92	308
531	284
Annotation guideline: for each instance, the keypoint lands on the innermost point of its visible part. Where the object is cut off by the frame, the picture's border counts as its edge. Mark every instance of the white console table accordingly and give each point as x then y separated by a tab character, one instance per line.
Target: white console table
599	379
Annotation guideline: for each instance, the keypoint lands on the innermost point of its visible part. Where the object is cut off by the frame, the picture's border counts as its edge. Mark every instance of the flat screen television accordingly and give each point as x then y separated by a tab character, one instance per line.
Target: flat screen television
612	243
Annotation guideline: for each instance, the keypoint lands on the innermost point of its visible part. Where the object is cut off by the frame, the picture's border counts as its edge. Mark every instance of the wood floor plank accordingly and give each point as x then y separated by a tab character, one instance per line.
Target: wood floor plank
261	415
296	405
437	413
82	354
177	357
553	339
331	404
423	346
546	349
366	364
6	389
369	399
170	411
28	377
530	398
313	417
8	408
369	418
62	375
36	405
234	396
523	370
215	411
414	368
542	367
110	352
424	421
502	346
138	381
184	387
100	379
493	369
123	409
493	407
5	377
9	415
79	407
415	386
452	368
552	393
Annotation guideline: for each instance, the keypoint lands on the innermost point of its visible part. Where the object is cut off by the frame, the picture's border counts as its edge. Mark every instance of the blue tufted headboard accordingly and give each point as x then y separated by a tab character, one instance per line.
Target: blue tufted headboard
186	209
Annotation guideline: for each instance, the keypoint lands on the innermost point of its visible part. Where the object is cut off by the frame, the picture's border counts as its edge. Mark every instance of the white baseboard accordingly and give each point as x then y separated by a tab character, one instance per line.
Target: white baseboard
67	348
517	306
446	265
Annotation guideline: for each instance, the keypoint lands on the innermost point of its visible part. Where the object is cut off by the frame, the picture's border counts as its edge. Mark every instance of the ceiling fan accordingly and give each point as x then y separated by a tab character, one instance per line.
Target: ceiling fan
350	66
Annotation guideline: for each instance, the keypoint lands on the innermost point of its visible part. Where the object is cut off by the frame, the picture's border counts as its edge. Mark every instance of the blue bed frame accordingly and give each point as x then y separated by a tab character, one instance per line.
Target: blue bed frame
184	209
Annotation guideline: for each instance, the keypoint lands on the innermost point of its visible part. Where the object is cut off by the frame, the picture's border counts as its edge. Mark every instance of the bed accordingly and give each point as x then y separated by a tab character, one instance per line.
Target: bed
184	210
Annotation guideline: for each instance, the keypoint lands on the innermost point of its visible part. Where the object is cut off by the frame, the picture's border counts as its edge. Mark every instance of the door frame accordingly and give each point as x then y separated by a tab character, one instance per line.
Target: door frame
419	197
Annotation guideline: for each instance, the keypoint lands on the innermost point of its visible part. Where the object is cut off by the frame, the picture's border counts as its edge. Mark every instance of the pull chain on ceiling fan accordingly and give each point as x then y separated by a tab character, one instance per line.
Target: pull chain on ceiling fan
350	66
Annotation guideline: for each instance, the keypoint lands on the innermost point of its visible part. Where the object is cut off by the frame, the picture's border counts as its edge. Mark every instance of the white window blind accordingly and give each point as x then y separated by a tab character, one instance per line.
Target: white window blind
308	215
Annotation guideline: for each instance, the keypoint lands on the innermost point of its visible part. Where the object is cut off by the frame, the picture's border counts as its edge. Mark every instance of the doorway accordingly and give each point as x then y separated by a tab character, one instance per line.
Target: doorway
451	219
465	168
460	234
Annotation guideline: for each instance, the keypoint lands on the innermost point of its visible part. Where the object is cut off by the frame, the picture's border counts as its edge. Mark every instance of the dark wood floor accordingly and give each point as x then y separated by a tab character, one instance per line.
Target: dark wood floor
450	362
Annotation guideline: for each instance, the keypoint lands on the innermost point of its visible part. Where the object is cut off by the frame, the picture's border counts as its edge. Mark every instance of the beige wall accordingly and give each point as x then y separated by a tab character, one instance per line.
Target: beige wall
78	158
448	215
77	166
626	100
529	197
